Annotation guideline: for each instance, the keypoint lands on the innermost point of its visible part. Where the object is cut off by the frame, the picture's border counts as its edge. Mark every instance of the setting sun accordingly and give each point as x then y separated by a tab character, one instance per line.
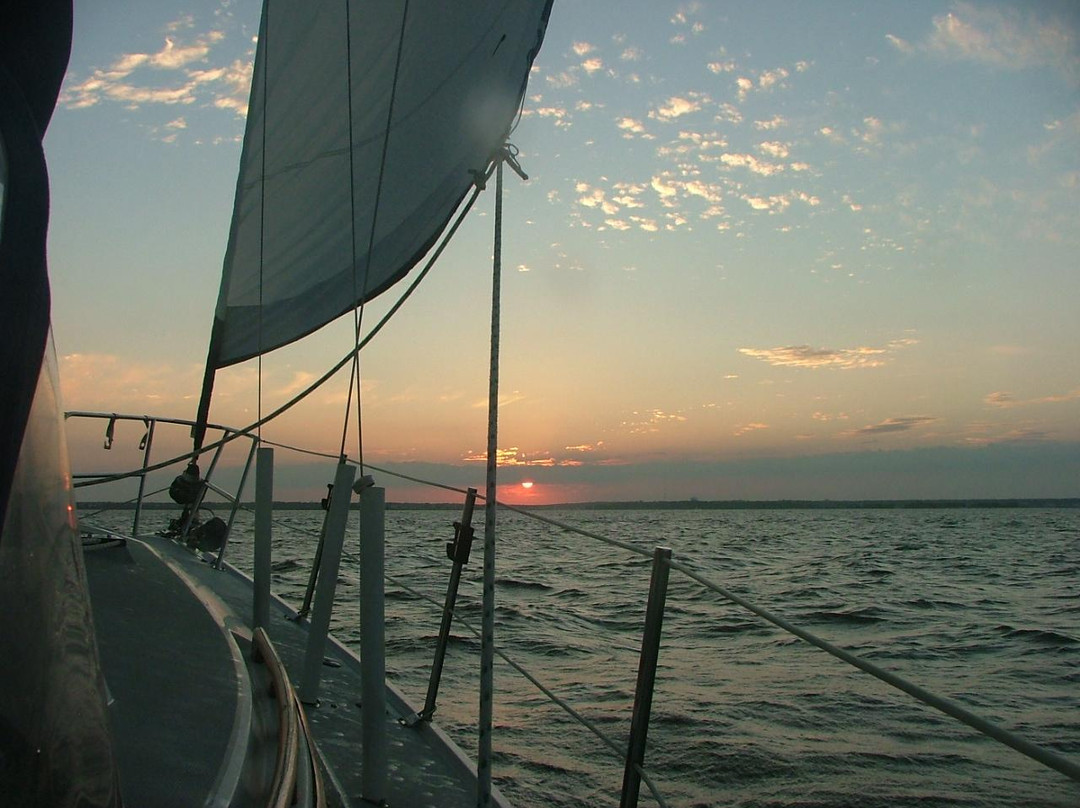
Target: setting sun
527	484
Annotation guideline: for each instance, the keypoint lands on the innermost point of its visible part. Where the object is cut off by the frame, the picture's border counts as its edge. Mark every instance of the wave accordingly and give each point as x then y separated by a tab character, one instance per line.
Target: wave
287	564
927	603
1039	635
860	616
515	583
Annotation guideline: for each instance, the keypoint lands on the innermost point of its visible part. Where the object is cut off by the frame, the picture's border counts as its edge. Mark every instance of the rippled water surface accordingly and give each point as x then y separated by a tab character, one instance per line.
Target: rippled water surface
978	605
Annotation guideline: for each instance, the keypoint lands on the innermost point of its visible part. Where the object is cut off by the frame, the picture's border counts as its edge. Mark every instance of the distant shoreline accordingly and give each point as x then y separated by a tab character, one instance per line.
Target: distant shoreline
669	505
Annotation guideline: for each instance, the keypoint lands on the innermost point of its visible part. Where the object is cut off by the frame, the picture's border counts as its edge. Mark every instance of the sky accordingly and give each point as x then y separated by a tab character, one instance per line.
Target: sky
766	251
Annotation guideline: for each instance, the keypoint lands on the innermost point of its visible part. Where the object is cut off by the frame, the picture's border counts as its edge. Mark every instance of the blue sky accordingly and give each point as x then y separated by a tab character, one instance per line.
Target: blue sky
836	241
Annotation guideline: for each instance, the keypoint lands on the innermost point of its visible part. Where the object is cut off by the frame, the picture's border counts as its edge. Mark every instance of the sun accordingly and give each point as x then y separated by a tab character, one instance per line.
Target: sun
527	484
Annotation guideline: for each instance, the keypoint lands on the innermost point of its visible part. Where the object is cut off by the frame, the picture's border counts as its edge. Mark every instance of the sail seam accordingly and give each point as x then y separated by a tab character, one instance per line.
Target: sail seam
355	376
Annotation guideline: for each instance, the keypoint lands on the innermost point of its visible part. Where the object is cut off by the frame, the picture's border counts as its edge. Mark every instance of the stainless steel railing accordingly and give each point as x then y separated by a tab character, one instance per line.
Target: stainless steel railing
141	473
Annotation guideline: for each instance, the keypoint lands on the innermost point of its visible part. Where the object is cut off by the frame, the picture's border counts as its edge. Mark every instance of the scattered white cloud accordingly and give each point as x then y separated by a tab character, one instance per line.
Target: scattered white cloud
514	456
772	78
176	74
729	113
749	161
647	421
1005	38
776	203
830	134
630	126
774	148
172	56
748	428
826	416
775	122
559	115
854	206
806	356
1025	37
901	45
664	188
677	106
902	424
628	194
592	197
562	79
1007	400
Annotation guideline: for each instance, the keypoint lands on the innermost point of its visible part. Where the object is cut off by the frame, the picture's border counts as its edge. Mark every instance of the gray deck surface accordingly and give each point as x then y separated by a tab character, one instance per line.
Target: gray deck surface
136	597
172	712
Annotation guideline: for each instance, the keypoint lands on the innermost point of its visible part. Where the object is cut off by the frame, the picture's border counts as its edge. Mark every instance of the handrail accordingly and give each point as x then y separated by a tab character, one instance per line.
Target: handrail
119	416
284	782
142	473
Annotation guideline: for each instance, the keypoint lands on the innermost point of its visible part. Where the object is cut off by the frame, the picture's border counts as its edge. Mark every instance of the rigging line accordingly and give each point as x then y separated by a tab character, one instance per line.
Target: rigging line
315	385
487	639
355	377
357	311
262	205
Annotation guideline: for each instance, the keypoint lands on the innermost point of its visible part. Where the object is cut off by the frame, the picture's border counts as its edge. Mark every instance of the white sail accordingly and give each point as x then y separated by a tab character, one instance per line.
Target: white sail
435	87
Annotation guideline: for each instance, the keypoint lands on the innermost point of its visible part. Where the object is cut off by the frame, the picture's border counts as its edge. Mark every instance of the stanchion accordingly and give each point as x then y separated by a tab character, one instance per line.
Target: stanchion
264	499
650	654
324	592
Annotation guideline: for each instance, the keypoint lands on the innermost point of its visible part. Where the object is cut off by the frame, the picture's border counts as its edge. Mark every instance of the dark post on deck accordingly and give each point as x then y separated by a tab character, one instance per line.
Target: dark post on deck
650	654
264	504
458	551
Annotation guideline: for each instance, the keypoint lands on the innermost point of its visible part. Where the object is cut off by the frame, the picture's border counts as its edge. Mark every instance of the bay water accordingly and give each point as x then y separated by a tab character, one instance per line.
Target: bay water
980	605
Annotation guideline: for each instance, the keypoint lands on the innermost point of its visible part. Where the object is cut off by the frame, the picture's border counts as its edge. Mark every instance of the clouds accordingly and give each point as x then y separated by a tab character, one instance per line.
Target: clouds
180	73
677	106
1005	400
902	424
1004	38
806	356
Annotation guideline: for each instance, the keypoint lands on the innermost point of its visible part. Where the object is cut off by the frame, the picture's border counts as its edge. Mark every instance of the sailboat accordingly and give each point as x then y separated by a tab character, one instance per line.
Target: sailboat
146	671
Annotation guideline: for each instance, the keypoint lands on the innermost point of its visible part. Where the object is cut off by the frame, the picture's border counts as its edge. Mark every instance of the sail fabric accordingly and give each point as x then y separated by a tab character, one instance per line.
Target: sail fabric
312	236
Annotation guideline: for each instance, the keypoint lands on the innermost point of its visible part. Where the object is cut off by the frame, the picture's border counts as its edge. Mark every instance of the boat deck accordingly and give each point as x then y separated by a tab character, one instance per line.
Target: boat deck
153	596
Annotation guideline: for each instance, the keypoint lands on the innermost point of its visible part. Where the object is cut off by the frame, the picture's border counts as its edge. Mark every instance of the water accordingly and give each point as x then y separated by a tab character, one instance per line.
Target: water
977	605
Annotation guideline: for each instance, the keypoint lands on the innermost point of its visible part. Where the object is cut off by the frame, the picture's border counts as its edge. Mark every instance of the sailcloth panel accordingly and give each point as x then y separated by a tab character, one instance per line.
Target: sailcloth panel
311	238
